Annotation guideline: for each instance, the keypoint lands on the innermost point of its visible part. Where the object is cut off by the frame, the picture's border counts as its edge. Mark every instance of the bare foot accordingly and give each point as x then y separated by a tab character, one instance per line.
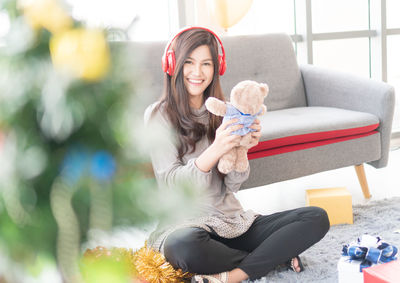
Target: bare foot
295	265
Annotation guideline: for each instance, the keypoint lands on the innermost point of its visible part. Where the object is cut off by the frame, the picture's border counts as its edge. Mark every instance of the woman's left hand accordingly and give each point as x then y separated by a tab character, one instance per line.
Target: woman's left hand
255	136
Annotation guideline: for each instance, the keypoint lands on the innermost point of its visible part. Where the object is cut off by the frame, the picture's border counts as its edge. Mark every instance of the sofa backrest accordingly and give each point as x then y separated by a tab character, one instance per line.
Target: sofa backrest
268	58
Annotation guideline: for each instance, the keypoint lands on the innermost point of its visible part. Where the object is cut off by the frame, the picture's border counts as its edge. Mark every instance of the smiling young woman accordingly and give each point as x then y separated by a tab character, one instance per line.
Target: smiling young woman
224	243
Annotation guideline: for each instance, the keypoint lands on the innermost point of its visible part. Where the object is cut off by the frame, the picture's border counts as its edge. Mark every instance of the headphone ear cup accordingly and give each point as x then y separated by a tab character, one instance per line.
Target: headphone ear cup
164	63
171	62
222	65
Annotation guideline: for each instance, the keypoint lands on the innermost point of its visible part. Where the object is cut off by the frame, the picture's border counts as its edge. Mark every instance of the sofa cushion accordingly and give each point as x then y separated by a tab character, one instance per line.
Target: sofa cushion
304	127
266	58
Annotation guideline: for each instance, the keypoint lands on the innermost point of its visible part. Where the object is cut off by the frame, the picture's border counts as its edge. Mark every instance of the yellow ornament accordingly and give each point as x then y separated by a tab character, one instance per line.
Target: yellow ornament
82	52
229	12
47	14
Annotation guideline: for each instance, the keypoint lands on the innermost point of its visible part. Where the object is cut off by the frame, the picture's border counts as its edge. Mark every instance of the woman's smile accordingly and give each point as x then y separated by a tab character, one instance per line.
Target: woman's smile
195	82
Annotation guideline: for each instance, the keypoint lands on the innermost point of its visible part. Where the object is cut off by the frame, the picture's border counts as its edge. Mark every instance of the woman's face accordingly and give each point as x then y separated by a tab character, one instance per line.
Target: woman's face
198	72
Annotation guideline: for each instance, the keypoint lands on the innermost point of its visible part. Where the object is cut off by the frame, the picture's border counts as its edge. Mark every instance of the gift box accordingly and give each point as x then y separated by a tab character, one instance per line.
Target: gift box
367	253
336	202
383	273
349	270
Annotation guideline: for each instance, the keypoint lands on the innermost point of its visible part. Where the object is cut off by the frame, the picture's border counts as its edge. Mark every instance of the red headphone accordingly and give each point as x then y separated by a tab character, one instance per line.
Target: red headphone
168	59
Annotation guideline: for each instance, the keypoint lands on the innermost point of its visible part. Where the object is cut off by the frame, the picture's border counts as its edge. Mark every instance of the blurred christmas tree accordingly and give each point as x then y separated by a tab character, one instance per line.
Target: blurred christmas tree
69	160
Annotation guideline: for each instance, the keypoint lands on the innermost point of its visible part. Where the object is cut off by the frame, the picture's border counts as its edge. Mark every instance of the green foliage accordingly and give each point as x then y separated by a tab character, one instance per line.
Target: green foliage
53	125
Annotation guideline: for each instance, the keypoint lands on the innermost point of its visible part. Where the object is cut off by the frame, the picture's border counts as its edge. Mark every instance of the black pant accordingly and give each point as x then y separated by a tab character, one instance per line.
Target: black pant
270	241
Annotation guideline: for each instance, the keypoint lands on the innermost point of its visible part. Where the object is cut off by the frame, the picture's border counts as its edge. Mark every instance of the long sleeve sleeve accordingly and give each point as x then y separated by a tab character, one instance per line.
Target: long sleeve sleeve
168	169
233	180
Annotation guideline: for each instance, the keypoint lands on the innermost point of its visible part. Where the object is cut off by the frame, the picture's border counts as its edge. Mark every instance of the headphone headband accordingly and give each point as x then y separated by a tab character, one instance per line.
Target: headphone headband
168	59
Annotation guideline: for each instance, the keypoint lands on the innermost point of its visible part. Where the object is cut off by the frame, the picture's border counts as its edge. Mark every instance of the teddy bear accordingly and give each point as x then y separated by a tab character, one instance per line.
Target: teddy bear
246	103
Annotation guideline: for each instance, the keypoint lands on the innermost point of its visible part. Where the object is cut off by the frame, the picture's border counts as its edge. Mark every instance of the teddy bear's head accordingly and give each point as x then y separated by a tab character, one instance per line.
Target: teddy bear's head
248	96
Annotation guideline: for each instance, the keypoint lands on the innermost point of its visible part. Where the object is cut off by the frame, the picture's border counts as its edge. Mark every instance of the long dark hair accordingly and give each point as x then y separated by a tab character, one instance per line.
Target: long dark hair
175	98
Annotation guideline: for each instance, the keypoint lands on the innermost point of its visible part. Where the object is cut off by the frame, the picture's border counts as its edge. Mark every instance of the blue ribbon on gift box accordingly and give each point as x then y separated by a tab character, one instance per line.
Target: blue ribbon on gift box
370	255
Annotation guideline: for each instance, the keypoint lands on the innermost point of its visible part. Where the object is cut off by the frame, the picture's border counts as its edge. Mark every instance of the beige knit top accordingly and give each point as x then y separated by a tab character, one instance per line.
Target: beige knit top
219	210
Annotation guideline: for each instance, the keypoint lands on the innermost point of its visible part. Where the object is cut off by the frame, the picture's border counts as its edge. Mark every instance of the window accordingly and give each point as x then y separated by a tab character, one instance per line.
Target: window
339	15
393	9
129	20
393	56
276	16
351	55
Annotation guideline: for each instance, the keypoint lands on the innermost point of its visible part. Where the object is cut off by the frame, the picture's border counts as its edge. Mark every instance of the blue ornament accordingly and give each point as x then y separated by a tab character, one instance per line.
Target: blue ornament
102	166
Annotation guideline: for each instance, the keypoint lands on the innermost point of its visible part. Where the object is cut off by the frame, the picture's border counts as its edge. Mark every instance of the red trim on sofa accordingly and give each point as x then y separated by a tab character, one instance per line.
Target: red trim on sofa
295	147
311	137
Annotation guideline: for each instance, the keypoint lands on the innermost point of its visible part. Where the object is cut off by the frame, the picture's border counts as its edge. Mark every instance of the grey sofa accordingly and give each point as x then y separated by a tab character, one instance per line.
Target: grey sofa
317	119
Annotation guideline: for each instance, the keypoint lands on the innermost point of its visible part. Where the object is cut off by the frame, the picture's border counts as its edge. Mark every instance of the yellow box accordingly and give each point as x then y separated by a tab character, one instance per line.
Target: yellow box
336	202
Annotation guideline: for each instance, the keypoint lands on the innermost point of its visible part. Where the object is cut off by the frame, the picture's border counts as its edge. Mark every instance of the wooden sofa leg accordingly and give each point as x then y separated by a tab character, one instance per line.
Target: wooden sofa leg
363	180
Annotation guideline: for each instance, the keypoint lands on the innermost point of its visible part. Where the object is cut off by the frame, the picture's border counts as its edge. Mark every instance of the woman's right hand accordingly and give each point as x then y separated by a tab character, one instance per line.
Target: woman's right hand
224	141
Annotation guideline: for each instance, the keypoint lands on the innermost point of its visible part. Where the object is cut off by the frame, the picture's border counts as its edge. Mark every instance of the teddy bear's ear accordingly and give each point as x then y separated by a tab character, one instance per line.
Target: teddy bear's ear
265	89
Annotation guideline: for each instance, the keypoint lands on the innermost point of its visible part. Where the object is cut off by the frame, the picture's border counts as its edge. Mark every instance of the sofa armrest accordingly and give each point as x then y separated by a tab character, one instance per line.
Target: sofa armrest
335	89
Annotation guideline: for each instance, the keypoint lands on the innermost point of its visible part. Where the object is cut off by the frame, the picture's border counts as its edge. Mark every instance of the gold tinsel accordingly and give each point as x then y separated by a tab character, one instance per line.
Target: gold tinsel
152	266
145	264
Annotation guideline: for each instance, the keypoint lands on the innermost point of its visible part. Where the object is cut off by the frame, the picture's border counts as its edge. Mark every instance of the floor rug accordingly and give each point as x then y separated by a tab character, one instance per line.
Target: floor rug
378	218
